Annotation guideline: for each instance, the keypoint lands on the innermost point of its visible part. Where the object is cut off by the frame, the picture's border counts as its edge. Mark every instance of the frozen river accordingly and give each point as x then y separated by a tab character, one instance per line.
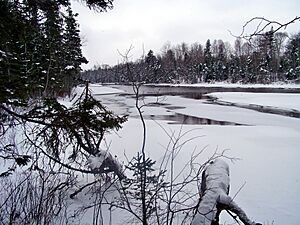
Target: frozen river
267	144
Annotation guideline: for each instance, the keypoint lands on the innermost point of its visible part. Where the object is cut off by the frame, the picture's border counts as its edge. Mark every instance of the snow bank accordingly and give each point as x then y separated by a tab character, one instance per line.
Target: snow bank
278	100
98	89
95	89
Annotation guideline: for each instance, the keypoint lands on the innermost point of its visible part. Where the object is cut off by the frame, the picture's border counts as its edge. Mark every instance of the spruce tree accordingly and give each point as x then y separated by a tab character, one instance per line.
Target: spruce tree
293	58
53	49
153	68
208	62
73	57
13	80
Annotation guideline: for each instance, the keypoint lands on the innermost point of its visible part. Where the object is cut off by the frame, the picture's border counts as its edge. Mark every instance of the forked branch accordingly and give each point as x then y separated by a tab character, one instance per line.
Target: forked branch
261	26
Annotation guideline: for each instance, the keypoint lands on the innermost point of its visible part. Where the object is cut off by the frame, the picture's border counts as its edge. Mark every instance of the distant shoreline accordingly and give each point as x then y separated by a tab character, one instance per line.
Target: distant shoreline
173	89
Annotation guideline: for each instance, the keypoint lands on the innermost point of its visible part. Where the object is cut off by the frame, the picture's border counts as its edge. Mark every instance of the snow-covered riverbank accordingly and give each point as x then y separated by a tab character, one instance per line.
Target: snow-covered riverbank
277	100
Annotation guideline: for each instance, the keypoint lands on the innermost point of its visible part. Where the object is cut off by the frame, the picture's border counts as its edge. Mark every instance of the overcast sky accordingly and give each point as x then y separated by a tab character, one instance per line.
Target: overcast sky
152	23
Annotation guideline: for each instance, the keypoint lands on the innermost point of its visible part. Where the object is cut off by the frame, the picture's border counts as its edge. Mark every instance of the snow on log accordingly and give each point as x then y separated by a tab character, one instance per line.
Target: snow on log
214	196
104	162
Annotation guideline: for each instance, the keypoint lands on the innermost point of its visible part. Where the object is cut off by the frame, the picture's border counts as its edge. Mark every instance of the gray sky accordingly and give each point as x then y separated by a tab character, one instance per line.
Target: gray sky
152	23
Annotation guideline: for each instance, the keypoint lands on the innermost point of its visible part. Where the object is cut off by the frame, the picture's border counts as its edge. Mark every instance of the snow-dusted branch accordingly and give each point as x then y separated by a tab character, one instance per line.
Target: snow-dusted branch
104	162
214	191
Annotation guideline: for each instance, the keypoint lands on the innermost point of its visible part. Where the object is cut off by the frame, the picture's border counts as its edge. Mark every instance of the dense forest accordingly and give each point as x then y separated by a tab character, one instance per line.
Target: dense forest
40	49
268	57
40	138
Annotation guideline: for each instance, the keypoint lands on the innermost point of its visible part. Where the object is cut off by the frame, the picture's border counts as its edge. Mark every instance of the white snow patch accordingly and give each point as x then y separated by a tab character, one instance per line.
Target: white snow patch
98	89
95	162
95	89
278	100
69	67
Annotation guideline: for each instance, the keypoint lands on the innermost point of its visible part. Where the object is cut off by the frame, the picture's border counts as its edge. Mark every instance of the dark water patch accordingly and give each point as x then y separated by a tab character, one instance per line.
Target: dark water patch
190	120
178	118
195	95
179	90
174	107
157	104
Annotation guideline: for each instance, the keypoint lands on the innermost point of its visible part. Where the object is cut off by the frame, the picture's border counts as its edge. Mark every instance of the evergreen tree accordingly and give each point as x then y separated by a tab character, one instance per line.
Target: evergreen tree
34	45
169	65
143	187
13	79
153	68
32	50
40	49
208	62
221	62
73	57
266	57
53	62
293	58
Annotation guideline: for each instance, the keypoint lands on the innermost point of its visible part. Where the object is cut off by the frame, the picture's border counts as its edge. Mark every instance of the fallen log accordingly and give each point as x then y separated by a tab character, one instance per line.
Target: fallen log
214	196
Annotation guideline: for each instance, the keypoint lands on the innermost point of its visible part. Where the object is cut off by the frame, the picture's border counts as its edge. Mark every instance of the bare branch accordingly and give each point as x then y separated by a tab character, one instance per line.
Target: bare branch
263	25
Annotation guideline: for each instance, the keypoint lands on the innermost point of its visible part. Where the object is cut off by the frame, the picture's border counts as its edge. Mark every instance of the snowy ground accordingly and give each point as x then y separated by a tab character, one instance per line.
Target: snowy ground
267	145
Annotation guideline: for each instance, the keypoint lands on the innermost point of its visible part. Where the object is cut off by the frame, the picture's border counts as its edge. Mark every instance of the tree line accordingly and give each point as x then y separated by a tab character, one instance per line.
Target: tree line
268	57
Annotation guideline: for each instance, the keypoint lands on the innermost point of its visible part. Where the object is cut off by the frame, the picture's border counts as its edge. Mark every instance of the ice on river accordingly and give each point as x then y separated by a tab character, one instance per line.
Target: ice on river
267	146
